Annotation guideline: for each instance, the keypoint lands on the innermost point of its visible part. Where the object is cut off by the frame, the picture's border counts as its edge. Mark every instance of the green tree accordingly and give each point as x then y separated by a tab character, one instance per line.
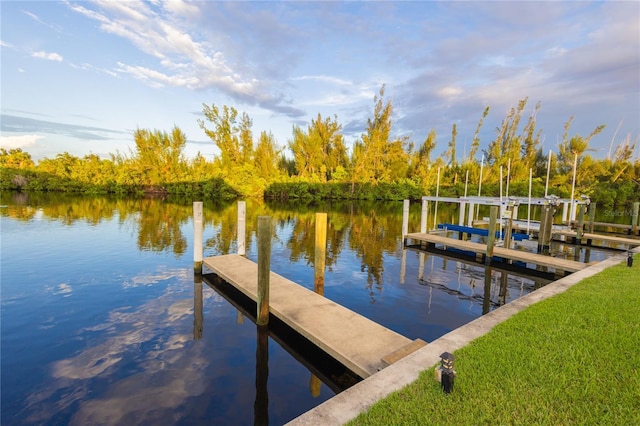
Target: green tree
159	155
266	157
225	133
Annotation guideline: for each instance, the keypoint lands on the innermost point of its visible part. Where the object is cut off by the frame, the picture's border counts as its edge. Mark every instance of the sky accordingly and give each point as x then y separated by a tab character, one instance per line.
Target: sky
81	77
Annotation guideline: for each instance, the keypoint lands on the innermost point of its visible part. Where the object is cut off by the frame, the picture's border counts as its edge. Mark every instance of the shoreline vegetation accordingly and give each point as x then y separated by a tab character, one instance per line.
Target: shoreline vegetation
570	359
316	164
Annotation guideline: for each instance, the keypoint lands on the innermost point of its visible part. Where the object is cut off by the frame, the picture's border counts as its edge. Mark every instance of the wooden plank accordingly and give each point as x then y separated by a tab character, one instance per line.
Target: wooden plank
357	342
553	262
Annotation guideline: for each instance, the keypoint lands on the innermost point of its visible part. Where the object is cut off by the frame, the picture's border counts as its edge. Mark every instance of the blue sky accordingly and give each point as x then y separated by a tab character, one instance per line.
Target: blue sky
82	76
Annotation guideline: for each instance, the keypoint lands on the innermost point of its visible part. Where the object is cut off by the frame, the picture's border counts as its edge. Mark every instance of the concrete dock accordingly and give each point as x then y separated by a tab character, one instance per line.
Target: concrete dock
362	345
480	249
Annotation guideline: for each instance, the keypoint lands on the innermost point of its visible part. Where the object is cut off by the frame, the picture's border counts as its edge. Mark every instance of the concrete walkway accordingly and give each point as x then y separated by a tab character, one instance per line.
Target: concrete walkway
360	397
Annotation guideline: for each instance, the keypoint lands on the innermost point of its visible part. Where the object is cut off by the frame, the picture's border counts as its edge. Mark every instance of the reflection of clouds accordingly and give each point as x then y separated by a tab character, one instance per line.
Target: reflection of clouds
151	279
152	339
63	289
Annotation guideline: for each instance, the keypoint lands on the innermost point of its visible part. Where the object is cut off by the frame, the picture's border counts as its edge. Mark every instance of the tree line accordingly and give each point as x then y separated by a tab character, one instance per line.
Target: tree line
315	162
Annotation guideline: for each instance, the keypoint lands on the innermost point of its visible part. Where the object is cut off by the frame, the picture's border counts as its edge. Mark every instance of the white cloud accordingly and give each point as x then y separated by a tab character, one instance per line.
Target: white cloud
49	56
5	44
13	142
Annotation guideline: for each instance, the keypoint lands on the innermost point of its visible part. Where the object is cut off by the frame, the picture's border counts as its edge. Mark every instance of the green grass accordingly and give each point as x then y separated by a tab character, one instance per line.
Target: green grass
571	359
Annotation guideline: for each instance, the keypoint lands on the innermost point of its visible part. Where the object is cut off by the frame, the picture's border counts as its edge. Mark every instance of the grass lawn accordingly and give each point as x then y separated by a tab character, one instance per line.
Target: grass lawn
570	359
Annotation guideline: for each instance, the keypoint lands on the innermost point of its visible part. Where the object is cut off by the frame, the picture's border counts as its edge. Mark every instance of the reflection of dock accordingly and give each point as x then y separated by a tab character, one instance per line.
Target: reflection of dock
360	344
501	252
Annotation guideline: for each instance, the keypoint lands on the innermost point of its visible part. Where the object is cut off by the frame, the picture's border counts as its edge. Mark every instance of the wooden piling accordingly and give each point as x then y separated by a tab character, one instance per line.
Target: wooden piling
634	217
492	234
423	216
264	269
508	229
242	226
405	218
592	216
320	252
580	226
546	224
197	237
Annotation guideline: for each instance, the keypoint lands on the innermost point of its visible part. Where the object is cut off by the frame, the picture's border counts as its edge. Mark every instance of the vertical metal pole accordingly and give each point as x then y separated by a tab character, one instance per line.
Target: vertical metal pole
264	269
320	252
546	185
572	214
529	204
242	226
480	185
435	210
197	237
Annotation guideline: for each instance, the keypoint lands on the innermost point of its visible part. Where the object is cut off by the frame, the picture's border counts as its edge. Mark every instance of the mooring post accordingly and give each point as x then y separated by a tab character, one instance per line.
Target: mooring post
592	216
242	226
405	219
546	224
580	227
264	269
634	217
197	237
470	216
508	229
492	234
461	216
320	252
565	212
423	216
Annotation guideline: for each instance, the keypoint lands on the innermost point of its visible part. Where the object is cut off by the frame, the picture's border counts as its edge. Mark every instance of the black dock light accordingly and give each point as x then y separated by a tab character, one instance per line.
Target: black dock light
447	373
629	258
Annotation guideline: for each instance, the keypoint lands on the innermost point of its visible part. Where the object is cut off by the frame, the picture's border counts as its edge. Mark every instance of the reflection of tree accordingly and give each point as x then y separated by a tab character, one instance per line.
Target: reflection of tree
159	226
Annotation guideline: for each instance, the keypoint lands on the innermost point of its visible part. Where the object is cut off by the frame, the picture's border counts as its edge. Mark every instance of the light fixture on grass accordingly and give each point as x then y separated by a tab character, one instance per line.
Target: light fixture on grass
447	373
629	258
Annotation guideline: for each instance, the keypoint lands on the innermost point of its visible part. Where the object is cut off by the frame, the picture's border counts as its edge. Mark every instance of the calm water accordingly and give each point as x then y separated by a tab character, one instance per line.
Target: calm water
98	323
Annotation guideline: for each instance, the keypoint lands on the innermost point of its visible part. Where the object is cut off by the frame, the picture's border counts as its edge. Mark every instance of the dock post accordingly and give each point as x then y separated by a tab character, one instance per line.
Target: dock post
242	226
580	227
565	212
470	216
461	216
592	216
423	216
405	219
264	269
320	253
546	224
197	237
634	217
508	229
492	234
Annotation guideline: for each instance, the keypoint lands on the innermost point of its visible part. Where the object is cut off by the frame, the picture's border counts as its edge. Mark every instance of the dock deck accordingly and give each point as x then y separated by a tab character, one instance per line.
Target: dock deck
362	345
630	242
522	256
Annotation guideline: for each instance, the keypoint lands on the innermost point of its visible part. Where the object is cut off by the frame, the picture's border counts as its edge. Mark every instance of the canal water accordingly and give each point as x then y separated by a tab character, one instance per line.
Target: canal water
103	323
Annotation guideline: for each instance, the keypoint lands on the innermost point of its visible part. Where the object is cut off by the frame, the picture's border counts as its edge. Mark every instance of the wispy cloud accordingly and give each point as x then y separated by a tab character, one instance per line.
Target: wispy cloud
36	18
12	123
164	31
51	56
